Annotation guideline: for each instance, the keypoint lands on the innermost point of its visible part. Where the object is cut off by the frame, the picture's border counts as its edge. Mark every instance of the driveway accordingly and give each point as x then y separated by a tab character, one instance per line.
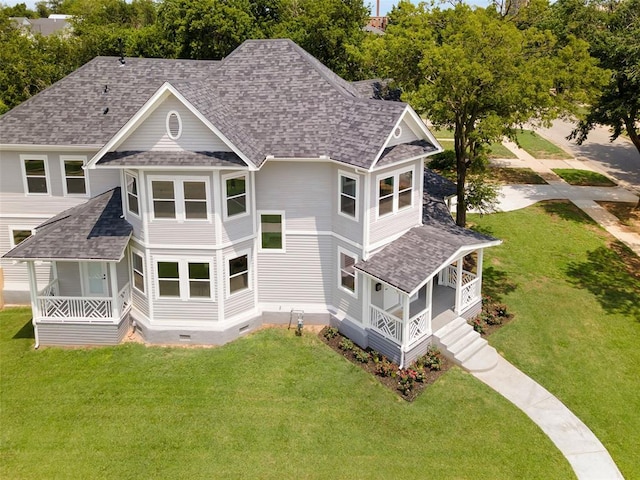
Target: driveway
620	159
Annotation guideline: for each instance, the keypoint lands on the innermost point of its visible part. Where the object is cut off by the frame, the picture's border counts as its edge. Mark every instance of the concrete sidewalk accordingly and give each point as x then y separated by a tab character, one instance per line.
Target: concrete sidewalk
514	197
587	456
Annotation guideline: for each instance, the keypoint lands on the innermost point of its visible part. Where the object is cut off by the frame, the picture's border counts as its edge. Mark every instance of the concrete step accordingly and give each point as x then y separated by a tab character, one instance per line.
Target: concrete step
450	327
468	336
483	360
470	349
454	336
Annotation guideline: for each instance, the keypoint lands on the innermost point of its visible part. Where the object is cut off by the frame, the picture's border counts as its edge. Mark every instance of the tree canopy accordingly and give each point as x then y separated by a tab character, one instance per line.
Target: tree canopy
477	72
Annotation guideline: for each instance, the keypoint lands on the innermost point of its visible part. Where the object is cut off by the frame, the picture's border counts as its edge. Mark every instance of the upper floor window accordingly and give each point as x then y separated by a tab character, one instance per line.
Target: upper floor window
235	194
35	174
272	231
74	177
395	192
132	193
183	199
348	185
174	125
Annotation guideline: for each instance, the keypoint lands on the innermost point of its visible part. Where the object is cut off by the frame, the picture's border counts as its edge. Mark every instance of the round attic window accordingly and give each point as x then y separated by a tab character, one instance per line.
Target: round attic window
174	125
397	132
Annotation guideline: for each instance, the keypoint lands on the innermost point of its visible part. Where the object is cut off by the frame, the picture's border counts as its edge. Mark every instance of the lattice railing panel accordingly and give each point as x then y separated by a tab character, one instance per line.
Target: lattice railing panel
386	324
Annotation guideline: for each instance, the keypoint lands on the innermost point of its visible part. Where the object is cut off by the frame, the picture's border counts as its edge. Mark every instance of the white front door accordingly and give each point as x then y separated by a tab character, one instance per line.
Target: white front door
95	279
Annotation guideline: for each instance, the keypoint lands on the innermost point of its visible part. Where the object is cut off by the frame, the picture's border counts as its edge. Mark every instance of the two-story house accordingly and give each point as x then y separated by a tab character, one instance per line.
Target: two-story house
196	200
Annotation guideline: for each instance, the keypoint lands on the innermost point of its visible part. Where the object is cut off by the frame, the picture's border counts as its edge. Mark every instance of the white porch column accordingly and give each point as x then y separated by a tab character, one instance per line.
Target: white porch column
405	320
459	285
429	294
479	270
115	301
33	290
368	284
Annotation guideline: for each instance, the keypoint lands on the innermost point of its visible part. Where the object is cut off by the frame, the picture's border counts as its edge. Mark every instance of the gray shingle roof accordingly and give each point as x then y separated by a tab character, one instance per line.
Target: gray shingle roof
70	112
94	230
437	186
421	252
171	159
269	97
397	153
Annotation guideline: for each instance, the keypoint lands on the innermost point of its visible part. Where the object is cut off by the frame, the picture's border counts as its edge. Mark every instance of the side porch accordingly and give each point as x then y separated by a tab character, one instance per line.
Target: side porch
417	285
88	297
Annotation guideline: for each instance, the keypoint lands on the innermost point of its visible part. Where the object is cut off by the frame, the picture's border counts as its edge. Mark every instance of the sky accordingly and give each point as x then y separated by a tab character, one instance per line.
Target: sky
385	5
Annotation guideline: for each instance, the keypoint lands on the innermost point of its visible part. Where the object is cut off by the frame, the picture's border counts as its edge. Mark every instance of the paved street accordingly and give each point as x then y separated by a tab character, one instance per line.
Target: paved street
619	159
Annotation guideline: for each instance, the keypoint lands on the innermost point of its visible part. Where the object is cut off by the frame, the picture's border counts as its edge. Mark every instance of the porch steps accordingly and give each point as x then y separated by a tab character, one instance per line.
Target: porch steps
460	342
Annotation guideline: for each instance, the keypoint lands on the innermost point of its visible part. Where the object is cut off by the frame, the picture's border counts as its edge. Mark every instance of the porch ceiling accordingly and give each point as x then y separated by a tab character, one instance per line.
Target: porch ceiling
420	253
94	230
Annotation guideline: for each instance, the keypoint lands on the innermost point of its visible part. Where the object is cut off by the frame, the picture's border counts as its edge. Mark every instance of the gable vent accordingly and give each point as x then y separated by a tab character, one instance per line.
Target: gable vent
174	125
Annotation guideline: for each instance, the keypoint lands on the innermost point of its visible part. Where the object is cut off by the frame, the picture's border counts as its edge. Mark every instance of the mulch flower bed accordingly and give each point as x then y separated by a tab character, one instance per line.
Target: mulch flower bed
493	316
408	382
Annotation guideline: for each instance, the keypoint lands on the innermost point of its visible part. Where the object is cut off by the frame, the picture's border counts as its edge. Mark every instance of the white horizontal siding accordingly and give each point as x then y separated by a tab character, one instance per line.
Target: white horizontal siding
42	207
181	234
342	300
236	229
342	225
152	133
304	190
139	302
101	181
78	334
244	301
304	274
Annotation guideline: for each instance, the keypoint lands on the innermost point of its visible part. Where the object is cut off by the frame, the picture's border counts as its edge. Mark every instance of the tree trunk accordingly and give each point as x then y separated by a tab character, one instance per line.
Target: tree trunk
461	174
633	132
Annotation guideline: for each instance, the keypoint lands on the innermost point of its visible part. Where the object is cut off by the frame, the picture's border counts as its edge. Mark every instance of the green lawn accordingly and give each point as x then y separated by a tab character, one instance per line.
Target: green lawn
583	177
539	147
270	405
498	150
577	326
445	133
511	176
446	144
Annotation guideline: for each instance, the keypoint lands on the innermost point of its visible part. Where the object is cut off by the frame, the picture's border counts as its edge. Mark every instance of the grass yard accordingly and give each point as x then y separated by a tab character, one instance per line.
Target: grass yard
447	144
511	176
498	150
585	178
539	147
577	325
442	133
270	405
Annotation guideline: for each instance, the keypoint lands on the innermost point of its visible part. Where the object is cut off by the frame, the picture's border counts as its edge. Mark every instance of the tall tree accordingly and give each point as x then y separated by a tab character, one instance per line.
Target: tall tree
476	72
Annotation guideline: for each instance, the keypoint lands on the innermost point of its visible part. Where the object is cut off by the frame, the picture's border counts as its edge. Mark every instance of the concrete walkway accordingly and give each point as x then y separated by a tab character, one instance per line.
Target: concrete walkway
587	456
519	196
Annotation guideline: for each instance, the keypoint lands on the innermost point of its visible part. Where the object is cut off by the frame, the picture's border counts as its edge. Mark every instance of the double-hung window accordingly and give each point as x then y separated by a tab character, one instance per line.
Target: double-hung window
235	195
272	231
19	234
131	182
395	192
185	279
34	168
137	271
238	273
181	199
347	272
348	188
74	175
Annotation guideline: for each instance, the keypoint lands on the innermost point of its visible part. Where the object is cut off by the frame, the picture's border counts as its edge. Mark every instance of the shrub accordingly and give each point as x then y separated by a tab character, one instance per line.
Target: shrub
360	355
376	356
346	344
385	368
500	310
490	319
478	325
406	380
431	360
330	333
443	161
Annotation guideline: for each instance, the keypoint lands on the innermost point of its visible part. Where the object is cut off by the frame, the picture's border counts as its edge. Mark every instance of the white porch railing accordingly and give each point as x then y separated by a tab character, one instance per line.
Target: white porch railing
53	307
470	294
449	276
419	326
386	324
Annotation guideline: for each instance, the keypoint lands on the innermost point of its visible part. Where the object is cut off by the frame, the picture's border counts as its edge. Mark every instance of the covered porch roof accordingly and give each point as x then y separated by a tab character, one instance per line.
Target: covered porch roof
94	230
411	260
171	159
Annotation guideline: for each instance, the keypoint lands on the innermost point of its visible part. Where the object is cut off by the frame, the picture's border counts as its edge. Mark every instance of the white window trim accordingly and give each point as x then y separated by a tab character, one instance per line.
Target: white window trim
178	192
349	253
284	242
396	190
126	193
135	251
224	179
227	275
183	278
74	158
24	157
342	173
177	114
19	227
